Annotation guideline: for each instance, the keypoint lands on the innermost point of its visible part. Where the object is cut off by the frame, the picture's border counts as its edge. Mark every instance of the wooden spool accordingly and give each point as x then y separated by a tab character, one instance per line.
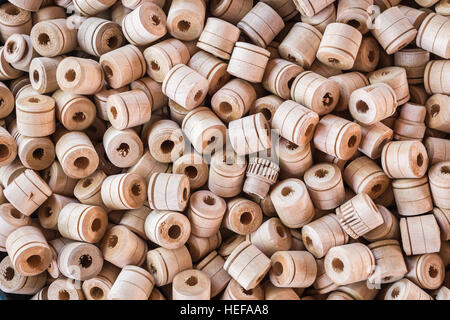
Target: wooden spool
123	147
293	269
49	212
80	76
212	266
322	18
10	220
53	37
194	167
226	174
8	147
420	234
286	196
433	35
410	124
427	271
13	282
261	174
412	196
19	52
243	216
388	230
267	105
349	263
191	284
396	78
438	175
438	149
436	77
349	82
153	91
185	20
14	20
230	10
74	111
58	181
80	261
134	220
404	159
325	186
390	265
438	114
406	290
414	62
355	14
233	100
132	283
35	116
200	247
168	191
218	38
279	76
368	55
310	8
169	229
124	191
293	160
270	237
250	134
248	62
88	190
98	287
128	109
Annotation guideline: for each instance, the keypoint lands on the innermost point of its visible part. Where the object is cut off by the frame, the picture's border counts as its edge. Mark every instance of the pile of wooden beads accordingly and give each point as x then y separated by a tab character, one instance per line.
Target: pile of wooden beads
234	150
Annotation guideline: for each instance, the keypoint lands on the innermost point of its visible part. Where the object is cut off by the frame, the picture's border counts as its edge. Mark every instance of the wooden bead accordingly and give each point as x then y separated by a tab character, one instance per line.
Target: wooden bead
438	114
81	76
293	269
230	10
7	101
13	282
205	213
412	196
418	94
250	134
248	62
443	219
233	100
388	230
191	284
261	174
355	14
88	190
279	76
234	291
427	271
414	62
336	37
92	7
76	154
58	181
294	160
323	283
270	237
153	91
123	66
433	35
321	19
10	220
205	130
396	78
75	112
185	86
439	183
35	116
359	290
338	295
286	197
218	38
315	92
393	30
164	263
310	8
247	265
267	106
359	215
8	147
54	37
43	74
194	167
337	137
436	77
438	149
14	20
229	244
368	55
349	82
128	109
226	174
420	234
80	261
49	212
390	264
442	8
404	159
135	219
124	191
212	266
200	247
19	52
243	216
156	295
123	147
443	293
147	165
7	72
349	263
169	229
185	20
410	124
261	24
98	287
48	13
168	191
65	289
132	283
101	97
163	56
406	290
29	251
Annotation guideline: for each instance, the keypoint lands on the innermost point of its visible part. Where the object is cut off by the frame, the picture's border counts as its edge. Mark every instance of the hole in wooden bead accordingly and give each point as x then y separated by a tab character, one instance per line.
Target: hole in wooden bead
4	151
81	163
321	173
63	295
286	191
108	71
280	231
154	65
2	102
174	232
308	241
371	56
445	170
327	99
79	117
225	107
277	268
183	25
35	76
246	218
290	82
309	130
85	261
123	149
112	241
184	194
114	112
87	182
210	201
191	281
136	189
12	11
433	271
8	274
198	95
362	107
385	73
387	278
15	213
291	146
352	141
33	100
48	212
96	293
337	265
191	172
211	140
247	292
155	20
167	146
419	160
435	108
291	58
34	261
333	60
43	39
152	269
70	75
354	23
266	113
112	42
96	225
395	293
376	188
11	47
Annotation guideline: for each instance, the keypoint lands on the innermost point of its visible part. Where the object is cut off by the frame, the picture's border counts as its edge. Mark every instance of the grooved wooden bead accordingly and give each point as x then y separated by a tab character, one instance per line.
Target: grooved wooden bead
13	282
19	51
226	174
234	291
169	229
261	174
135	219
267	106
310	8
337	137
415	16
132	283
390	264
393	30
128	109
218	38
433	35
439	176
191	284
374	137
414	62
49	212
230	10
164	263
368	55
43	74
438	149
88	190
81	76
7	98
35	116
212	265
418	94
427	271
248	62
410	124
229	244
29	251
185	20
322	18
200	247
348	82
168	191
420	234
194	167
65	289
58	181
293	269
74	111
443	8
8	147
80	261
243	216
412	196
153	91
279	76
406	290
247	265
404	159
250	134
123	65
14	20
359	215
10	220
443	219
388	230
355	13
436	77
349	263
286	198
396	78
101	97
54	37
123	147
124	191
294	160
92	7
438	112
270	237
98	287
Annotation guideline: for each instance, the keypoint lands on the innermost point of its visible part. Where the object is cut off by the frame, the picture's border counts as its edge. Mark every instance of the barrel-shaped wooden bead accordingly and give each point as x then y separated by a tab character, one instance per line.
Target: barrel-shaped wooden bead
124	148
65	289
231	10
234	291
54	37
13	282
10	220
412	196
92	7
420	234
404	159
218	38
134	220
438	175
388	230
49	212
57	180
132	283
438	149
294	160
410	124
270	237
355	13
226	174
8	146
80	261
248	62
74	111
35	115
212	265
267	106
250	134
436	77
310	8
348	82
427	271
128	109
19	52
169	229
438	112
168	191
414	62
243	216
191	284
88	190
293	269
406	290
124	191
153	91
185	20
201	247
81	76
98	287
390	265
396	78
194	167
433	35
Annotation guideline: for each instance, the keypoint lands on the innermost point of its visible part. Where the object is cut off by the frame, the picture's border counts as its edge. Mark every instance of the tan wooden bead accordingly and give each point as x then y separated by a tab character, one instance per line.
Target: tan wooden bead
390	264
250	134
323	283
396	78
337	137
226	174
427	271
153	91
234	291
123	65
310	8
8	147
374	137
355	14
169	229
135	219
321	19
156	295
65	289
438	175
279	76
349	82
88	190
414	62
406	290
14	20
230	10
185	20
438	113
49	212
123	147
293	269
349	263
201	247
168	191
194	167
124	191
132	283
212	266
57	180
433	35
191	284
80	76
53	37
418	94
13	282
436	77
243	216
400	31
35	116
443	8
19	51
43	74
233	100
118	12
293	160
29	251
443	293
92	7
98	287
74	111
7	101
388	230
48	13
248	62
147	165
368	55
128	109
218	38
101	97
443	219
267	105
286	197
29	6
80	261
10	220
7	72
320	156
438	149
229	244
339	295
404	159
410	124
412	196
261	174
270	237
420	234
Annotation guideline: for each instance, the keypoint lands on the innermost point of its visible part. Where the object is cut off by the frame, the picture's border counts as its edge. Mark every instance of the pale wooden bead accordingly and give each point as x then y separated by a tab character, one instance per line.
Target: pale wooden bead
420	234
194	167
92	7
7	101
427	271
359	215
323	283
13	282
320	156
412	196
163	56
393	30
88	190
337	137
101	98
132	283
270	237
436	77
53	37
310	8
443	219
443	293
293	160
359	290
438	149
191	284
368	55
29	251
349	82
388	230
98	287
349	263
414	62
28	5
147	165
242	216
438	112
124	191
48	13
396	78
410	124
10	220
230	10
43	74
279	76
355	14
267	105
261	174
156	295
153	91
218	38
406	290
250	134
404	159
80	76
185	20
293	269
439	184
49	212
321	19
418	94
168	191
169	229
65	289
390	264
80	261
201	247
122	247
14	20
248	62
443	8
19	52
74	111
128	109
164	263
58	181
135	219
286	197
8	147
35	116
226	174
433	35
233	100
123	147
123	65
212	266
118	12
229	244
7	72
